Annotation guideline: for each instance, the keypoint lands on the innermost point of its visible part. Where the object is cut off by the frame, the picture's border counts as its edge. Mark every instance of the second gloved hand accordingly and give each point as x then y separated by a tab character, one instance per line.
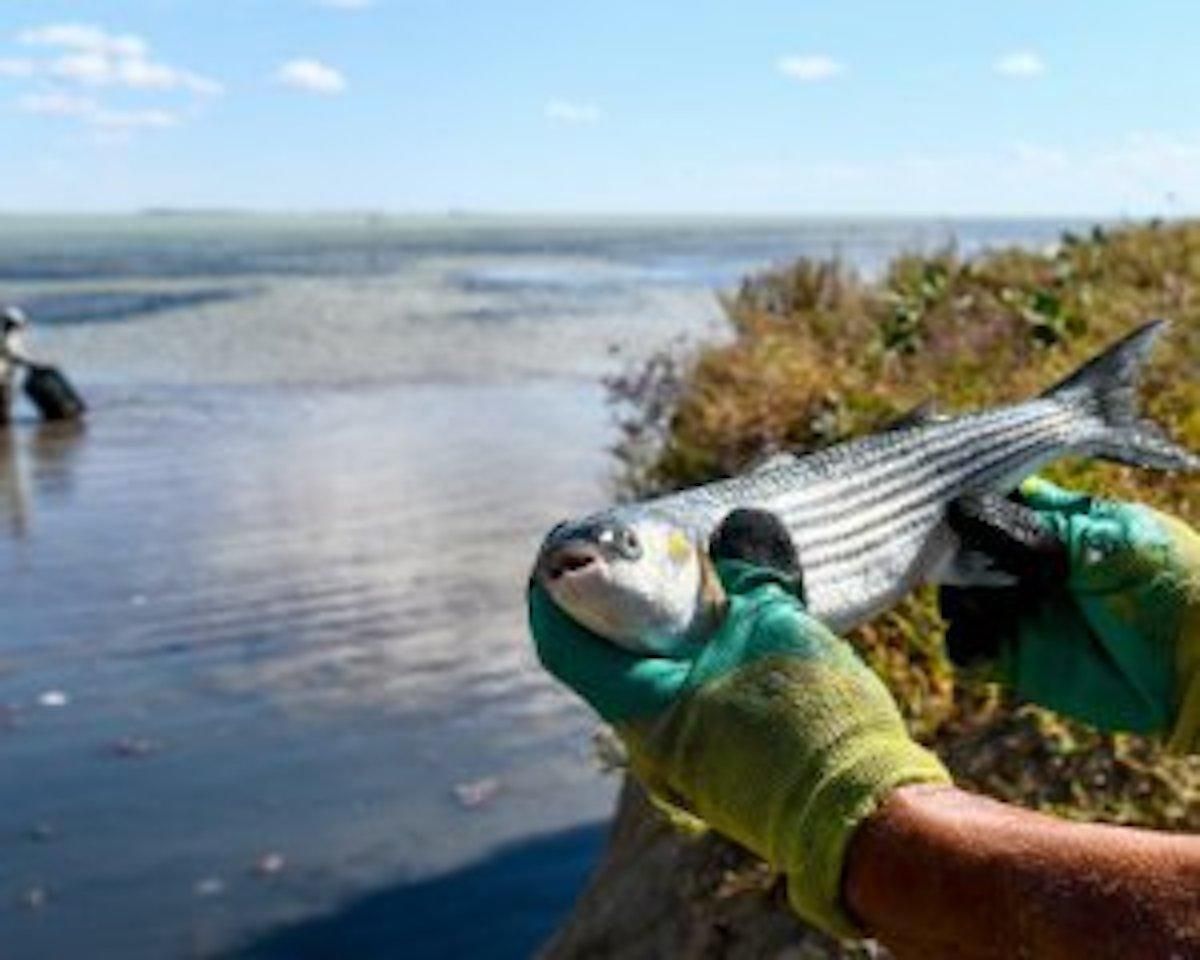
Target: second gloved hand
1104	621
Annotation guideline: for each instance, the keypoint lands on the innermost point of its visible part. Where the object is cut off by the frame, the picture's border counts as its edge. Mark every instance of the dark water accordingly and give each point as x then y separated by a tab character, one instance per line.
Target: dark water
265	688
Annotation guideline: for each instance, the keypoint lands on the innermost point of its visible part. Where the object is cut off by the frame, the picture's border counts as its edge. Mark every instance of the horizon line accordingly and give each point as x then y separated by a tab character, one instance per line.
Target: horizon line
465	214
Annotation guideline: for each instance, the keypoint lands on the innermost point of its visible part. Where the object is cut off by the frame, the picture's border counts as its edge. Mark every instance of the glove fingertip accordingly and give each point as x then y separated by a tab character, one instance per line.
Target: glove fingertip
1038	493
755	536
1012	536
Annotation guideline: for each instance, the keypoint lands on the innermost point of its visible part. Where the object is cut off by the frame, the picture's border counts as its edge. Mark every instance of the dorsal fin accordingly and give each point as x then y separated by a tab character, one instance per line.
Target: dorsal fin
771	461
922	415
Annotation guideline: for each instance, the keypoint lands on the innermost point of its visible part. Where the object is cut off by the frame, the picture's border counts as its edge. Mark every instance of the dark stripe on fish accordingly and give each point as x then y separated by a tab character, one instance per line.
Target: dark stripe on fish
803	489
945	478
813	560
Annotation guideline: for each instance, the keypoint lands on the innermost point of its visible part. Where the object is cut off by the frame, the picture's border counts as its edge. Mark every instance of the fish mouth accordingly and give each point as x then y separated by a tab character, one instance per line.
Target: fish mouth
570	560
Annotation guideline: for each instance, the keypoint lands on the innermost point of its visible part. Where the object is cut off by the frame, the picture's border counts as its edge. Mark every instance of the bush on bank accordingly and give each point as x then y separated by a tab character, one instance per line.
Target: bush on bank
818	354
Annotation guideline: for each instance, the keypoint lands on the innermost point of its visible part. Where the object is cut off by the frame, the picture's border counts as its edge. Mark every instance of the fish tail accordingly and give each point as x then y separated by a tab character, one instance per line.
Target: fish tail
1106	388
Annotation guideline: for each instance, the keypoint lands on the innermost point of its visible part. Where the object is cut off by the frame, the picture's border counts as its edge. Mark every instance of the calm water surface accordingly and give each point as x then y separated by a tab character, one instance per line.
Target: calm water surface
265	688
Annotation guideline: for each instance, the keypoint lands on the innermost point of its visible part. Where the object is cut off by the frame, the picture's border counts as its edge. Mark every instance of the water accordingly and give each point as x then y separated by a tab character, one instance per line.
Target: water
265	688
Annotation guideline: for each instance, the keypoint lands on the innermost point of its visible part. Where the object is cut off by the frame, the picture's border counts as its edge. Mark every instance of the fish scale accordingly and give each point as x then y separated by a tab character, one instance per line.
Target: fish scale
972	471
841	562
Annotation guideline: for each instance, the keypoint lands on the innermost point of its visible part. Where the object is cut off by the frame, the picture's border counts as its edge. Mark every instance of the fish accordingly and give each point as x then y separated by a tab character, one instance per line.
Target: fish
867	516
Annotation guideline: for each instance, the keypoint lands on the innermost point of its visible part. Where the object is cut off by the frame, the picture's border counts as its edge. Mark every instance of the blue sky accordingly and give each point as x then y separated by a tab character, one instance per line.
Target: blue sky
623	106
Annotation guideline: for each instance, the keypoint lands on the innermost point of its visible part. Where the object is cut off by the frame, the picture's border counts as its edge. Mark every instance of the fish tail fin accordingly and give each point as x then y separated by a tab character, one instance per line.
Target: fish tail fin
1106	388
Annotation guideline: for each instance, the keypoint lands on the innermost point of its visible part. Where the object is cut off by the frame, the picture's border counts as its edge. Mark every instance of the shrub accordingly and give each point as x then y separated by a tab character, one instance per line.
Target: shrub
819	355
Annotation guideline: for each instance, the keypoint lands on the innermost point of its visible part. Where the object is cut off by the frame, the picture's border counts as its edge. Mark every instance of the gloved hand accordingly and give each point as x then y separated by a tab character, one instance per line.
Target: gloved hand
773	732
1103	623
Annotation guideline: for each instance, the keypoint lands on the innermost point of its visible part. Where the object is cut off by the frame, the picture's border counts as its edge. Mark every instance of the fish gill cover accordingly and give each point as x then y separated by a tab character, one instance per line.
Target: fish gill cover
818	355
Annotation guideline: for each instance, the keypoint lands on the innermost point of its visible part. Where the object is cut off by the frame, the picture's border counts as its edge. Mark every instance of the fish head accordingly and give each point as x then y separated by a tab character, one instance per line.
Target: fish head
632	576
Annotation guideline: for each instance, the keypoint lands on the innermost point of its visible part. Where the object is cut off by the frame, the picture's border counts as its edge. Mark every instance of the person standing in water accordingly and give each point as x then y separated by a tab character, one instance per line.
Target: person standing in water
13	324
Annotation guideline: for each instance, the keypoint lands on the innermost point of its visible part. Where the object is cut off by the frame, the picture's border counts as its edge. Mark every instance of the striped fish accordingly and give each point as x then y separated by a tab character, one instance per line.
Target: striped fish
867	516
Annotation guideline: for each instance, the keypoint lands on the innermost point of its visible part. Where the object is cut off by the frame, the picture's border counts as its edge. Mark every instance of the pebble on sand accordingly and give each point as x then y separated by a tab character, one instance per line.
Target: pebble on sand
269	864
42	832
476	793
34	898
133	747
209	887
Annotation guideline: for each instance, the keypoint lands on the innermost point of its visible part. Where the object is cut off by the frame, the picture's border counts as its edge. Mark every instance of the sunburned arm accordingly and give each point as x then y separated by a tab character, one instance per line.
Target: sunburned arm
940	873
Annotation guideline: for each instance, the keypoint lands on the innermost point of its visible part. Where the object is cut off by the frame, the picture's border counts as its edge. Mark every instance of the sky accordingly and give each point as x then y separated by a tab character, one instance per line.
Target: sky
821	107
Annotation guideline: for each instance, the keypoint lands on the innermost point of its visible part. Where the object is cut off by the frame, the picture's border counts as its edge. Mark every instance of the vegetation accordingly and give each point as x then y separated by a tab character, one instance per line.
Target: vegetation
819	354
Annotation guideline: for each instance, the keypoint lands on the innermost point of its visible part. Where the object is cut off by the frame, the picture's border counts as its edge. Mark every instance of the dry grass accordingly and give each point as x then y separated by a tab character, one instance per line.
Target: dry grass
820	355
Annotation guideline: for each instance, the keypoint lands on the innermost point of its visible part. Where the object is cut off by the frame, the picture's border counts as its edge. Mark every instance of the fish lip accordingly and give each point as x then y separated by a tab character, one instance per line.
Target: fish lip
568	560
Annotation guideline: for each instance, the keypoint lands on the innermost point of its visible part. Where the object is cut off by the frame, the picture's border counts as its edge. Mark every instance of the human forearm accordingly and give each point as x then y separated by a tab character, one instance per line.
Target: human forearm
938	872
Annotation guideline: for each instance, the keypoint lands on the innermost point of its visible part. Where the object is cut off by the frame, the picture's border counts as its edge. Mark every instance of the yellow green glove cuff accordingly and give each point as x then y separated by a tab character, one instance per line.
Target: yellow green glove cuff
787	756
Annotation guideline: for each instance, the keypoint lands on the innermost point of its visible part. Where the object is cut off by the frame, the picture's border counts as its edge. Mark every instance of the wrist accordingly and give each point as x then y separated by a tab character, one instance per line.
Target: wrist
787	757
893	879
919	870
858	779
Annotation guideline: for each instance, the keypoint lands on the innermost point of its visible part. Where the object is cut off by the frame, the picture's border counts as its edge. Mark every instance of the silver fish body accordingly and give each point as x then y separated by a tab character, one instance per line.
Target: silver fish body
867	516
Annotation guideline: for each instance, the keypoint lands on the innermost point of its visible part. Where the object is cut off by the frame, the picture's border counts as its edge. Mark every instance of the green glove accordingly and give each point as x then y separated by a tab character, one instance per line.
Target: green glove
773	732
1108	631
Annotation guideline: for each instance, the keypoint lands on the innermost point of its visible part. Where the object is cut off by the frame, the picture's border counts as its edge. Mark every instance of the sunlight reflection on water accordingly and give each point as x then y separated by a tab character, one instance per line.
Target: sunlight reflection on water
278	579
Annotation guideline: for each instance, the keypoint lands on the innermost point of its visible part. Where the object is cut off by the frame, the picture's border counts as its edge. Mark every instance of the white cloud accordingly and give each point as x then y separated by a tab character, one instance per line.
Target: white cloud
1036	157
344	4
125	120
17	67
1020	63
205	86
147	75
811	67
571	112
135	73
70	65
82	36
92	56
57	104
311	76
88	68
